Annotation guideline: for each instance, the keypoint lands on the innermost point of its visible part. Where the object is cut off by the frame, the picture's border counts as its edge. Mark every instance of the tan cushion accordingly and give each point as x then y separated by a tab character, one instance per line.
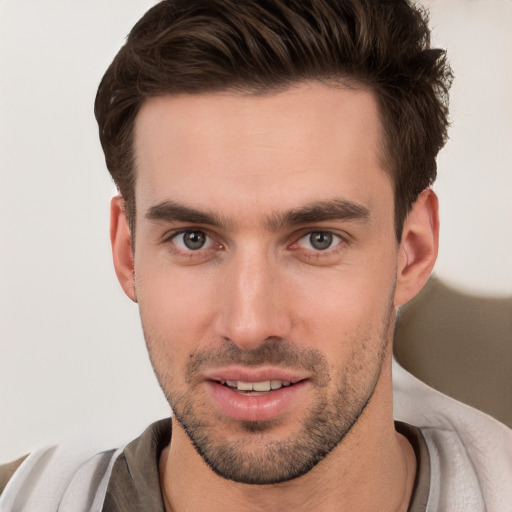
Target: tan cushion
460	344
7	470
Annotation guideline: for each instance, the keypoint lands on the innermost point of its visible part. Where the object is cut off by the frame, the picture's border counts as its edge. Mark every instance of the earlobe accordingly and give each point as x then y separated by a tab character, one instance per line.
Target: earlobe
122	252
418	248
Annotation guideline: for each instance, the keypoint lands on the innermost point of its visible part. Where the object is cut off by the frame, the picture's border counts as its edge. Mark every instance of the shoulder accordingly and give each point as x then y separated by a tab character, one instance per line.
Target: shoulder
471	453
50	477
85	474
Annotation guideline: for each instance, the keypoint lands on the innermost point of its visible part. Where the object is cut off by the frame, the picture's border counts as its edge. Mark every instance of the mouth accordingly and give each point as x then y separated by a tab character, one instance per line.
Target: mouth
257	397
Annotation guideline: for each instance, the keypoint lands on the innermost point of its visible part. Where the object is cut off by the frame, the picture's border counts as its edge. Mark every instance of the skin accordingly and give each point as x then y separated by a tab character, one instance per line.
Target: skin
259	287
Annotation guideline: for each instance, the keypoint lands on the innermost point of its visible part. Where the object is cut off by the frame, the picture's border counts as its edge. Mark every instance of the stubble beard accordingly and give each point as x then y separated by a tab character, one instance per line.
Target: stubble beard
254	457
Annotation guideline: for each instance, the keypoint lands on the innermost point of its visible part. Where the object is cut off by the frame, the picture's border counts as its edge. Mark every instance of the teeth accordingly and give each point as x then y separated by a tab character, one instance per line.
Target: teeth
265	385
261	386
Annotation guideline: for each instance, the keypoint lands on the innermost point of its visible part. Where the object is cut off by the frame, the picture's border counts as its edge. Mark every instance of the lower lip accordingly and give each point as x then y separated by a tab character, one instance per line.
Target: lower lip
261	407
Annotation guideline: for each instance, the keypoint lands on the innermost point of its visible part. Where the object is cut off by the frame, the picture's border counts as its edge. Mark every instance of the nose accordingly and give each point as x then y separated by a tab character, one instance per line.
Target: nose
253	305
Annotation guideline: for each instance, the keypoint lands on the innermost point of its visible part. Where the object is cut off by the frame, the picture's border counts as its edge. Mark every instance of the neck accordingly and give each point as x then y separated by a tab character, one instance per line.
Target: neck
373	468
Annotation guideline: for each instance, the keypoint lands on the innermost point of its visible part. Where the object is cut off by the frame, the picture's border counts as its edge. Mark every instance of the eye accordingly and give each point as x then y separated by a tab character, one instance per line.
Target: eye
192	240
319	241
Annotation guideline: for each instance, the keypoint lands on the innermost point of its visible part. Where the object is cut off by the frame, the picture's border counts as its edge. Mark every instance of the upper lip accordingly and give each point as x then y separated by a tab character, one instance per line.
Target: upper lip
256	374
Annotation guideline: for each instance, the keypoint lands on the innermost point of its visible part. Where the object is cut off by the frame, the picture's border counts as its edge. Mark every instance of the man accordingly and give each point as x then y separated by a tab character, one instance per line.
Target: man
273	160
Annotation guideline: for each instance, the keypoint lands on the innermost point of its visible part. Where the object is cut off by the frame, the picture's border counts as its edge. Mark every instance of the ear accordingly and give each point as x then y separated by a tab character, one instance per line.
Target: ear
122	252
418	248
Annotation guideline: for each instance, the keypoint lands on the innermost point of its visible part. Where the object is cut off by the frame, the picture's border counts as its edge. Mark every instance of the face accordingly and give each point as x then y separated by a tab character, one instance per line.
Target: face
265	267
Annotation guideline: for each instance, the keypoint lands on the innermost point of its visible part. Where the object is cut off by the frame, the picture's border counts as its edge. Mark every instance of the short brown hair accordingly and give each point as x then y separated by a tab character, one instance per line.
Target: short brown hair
197	46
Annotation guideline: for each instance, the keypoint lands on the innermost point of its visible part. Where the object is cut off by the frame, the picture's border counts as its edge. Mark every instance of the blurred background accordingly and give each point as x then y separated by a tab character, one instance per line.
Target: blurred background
72	355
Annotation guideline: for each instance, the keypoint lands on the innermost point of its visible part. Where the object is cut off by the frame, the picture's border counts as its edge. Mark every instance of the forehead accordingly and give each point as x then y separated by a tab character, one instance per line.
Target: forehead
295	146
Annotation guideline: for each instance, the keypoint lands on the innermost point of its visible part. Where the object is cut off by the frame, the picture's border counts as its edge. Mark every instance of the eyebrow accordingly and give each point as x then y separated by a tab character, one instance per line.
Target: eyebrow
335	209
169	211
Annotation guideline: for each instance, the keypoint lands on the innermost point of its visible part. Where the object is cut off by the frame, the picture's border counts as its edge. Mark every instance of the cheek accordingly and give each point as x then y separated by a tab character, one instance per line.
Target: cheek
176	309
341	311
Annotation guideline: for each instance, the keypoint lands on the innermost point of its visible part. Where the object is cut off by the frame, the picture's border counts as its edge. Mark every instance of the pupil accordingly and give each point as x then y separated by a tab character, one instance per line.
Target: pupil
321	241
194	239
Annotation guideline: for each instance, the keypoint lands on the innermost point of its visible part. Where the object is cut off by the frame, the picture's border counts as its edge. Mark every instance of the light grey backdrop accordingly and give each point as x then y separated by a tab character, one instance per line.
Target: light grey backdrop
72	357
